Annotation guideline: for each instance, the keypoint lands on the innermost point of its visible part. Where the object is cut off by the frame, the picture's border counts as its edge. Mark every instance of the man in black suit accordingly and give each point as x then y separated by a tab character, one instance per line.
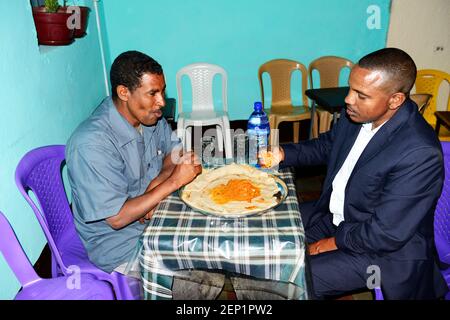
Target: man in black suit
384	177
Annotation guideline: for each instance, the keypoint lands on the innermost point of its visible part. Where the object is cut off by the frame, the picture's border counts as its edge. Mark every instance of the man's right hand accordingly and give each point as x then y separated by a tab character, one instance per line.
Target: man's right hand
187	168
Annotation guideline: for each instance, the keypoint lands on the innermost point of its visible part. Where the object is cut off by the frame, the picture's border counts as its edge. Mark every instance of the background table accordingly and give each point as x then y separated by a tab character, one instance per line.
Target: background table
269	246
331	99
442	117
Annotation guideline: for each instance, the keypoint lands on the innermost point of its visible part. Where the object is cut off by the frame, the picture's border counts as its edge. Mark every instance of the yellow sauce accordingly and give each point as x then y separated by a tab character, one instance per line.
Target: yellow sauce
235	190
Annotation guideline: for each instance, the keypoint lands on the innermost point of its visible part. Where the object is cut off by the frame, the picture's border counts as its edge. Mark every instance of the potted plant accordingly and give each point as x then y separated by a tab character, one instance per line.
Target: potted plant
79	18
51	24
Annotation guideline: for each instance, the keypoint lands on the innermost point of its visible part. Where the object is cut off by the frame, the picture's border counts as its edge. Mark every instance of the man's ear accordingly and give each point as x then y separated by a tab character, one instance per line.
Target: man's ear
122	92
396	100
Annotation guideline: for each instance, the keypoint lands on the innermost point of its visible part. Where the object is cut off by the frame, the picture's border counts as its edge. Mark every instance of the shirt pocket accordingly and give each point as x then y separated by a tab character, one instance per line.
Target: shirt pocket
157	161
154	165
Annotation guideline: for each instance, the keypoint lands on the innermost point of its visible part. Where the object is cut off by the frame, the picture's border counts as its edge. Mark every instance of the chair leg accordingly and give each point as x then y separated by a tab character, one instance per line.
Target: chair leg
315	124
296	128
126	287
325	122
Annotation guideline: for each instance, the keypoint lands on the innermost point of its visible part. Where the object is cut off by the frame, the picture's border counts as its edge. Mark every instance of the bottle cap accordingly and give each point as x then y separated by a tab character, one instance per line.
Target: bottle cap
258	106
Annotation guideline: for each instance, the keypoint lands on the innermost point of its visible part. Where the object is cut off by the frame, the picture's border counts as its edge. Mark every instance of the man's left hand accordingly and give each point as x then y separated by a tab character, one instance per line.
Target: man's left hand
321	246
148	216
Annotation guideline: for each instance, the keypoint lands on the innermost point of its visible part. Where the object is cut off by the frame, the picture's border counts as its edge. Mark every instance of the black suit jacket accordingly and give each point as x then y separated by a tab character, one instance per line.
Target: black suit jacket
390	197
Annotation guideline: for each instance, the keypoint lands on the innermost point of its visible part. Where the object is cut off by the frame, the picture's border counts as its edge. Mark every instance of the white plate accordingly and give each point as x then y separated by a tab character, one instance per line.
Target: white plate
281	196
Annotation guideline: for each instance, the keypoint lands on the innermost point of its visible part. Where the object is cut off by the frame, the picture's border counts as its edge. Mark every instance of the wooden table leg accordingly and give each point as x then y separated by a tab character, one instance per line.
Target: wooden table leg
438	126
313	114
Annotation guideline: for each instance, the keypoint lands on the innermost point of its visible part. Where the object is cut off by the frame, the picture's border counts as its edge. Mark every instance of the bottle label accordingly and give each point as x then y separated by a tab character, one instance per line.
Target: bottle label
257	141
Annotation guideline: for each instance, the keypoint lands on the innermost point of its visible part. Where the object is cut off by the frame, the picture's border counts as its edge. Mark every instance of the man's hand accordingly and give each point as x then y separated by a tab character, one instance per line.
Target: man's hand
271	157
321	246
187	168
148	216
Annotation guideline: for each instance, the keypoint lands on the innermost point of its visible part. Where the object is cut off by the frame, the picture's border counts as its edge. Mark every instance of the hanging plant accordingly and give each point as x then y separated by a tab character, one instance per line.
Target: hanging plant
51	24
51	6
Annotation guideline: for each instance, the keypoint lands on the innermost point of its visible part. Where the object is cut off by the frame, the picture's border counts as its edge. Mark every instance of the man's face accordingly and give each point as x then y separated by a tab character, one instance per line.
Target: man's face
144	104
369	98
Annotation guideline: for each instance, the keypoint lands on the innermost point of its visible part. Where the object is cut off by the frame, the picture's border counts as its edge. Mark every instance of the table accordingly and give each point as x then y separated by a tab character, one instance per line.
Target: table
442	117
269	246
331	99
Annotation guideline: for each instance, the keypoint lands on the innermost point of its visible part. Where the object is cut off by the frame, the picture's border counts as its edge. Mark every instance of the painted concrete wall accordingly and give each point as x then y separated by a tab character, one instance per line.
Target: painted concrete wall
46	92
419	27
241	35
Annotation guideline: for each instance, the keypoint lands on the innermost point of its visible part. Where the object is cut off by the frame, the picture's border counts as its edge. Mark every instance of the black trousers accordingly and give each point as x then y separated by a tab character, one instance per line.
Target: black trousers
335	272
338	272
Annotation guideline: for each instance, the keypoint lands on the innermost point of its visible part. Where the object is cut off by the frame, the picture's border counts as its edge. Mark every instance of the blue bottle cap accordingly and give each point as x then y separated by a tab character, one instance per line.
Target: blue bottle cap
258	106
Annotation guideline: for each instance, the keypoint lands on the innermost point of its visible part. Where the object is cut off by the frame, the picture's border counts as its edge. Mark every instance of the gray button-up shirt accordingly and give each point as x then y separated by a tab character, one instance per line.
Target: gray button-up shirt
108	162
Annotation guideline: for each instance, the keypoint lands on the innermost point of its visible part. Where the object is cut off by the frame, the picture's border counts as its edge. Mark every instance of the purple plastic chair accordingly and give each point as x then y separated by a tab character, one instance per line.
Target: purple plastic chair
442	219
378	294
40	171
36	288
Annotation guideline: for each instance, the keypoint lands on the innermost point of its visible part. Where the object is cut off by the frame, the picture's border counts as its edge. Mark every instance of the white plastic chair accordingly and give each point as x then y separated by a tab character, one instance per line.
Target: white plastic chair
203	113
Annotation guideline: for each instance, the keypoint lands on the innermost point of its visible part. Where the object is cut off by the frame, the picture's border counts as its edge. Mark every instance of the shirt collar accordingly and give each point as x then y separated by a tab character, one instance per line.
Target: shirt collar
124	131
367	127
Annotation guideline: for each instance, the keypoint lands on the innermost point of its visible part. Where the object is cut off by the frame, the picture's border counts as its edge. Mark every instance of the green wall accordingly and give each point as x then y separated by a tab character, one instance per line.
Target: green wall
46	92
241	35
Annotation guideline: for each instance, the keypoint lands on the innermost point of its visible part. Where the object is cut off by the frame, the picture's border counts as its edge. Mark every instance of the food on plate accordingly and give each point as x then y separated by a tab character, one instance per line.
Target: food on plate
232	190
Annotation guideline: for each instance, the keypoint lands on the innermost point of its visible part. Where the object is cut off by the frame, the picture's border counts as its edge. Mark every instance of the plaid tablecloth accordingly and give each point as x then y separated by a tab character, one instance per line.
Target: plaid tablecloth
270	246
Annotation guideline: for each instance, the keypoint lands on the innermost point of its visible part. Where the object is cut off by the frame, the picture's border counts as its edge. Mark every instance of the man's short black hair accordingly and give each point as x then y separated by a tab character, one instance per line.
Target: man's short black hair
128	69
396	63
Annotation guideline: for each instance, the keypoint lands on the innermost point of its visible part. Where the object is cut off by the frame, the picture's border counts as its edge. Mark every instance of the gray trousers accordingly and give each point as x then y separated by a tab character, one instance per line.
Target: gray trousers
206	285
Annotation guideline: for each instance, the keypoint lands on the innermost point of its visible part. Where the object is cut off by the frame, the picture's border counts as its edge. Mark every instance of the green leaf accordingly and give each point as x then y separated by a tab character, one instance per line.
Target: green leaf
51	6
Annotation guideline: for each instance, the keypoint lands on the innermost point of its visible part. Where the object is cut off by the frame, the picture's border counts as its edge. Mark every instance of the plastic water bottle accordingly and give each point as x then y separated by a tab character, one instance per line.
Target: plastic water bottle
258	130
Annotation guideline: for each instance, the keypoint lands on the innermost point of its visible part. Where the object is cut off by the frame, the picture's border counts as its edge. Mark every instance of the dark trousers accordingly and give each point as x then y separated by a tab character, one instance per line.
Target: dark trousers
338	272
334	272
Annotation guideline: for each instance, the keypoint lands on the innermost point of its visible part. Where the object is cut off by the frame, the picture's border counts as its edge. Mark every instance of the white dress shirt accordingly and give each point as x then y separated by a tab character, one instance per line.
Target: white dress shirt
340	180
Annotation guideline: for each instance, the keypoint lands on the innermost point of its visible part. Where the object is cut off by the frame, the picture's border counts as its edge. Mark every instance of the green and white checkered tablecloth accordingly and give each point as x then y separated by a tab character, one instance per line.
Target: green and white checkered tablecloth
269	246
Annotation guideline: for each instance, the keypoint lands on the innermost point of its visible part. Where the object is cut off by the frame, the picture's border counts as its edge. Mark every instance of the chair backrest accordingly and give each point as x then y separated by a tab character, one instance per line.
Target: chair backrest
329	68
14	254
442	213
429	81
202	77
280	72
40	171
422	100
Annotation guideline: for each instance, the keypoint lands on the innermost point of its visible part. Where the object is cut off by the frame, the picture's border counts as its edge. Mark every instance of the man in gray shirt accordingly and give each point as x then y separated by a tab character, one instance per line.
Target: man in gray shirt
123	160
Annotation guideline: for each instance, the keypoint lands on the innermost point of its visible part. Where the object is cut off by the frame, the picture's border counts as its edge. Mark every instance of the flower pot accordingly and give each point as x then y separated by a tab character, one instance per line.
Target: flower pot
52	28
